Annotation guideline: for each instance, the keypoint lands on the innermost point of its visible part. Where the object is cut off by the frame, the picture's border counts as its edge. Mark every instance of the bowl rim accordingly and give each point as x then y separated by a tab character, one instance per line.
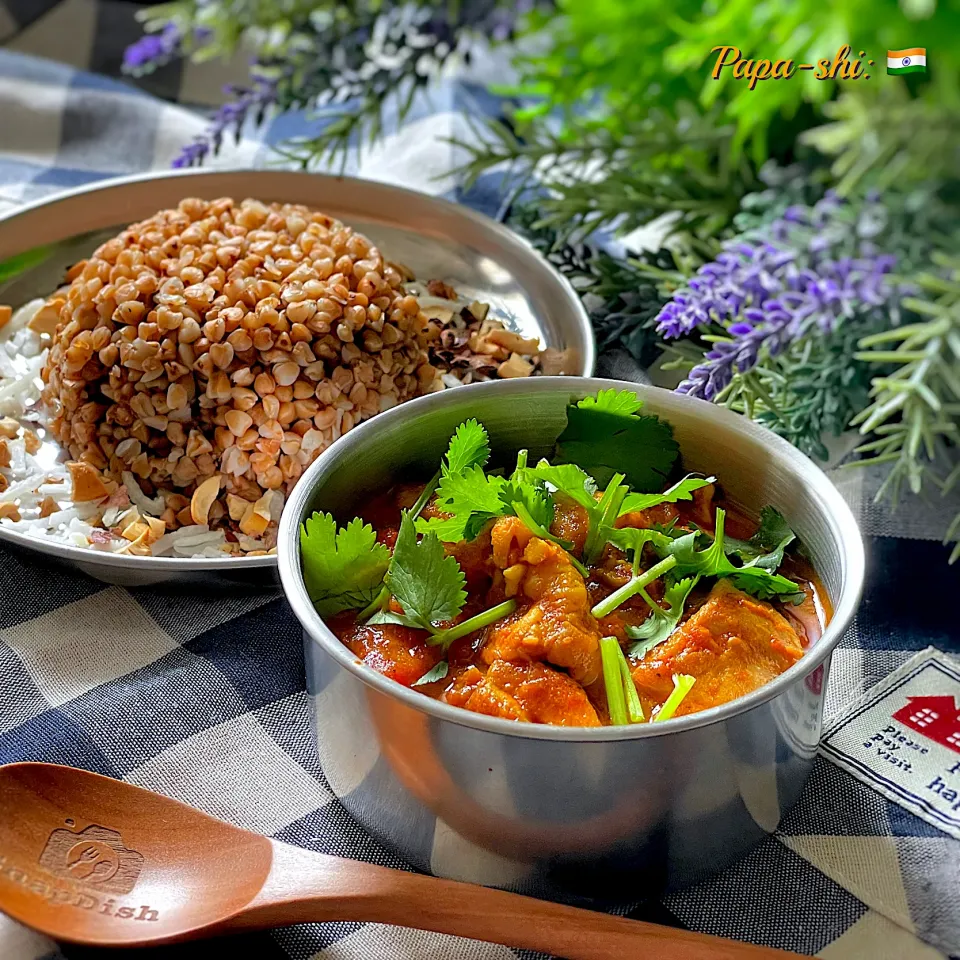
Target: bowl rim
89	556
832	505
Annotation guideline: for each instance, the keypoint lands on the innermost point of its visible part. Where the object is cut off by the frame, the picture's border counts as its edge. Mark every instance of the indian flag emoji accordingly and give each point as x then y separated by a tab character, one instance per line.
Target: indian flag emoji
911	60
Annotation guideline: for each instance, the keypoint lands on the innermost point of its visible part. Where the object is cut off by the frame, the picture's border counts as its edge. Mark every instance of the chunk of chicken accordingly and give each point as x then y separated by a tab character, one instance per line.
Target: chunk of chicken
556	626
395	651
470	689
545	695
570	522
732	645
531	692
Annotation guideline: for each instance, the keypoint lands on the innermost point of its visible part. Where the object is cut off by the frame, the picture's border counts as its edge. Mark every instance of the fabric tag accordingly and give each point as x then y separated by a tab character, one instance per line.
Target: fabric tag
903	739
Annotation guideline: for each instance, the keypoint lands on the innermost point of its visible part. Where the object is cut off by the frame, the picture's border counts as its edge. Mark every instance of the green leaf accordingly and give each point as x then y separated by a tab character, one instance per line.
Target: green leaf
567	478
472	498
708	562
714	562
631	541
534	496
763	585
603	440
428	584
342	570
681	490
447	529
469	447
623	402
765	548
661	623
437	672
773	530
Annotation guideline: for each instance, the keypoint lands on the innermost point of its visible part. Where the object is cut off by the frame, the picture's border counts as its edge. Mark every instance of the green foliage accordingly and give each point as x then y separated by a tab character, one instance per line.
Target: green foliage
636	56
661	622
674	160
914	413
887	137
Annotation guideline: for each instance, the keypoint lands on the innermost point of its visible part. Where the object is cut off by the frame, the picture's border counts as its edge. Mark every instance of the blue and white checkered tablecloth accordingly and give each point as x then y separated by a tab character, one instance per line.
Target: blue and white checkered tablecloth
201	695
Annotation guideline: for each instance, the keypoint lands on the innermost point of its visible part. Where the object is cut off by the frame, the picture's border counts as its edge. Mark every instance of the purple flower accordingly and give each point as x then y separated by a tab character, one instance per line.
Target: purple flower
152	50
230	118
766	295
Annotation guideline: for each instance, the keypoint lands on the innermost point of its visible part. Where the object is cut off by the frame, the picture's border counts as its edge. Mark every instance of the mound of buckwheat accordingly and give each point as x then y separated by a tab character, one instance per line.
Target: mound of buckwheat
229	340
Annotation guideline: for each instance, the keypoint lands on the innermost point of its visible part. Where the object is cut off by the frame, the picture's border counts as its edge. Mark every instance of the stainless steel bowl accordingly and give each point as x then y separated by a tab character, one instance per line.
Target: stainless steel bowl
608	813
436	239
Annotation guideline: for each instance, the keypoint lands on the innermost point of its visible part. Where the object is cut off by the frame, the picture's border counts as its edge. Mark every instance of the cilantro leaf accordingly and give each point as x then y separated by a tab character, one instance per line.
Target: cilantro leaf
765	548
567	478
764	585
714	562
534	496
631	540
661	623
428	584
342	569
605	435
446	529
437	672
621	402
681	490
471	498
469	447
471	491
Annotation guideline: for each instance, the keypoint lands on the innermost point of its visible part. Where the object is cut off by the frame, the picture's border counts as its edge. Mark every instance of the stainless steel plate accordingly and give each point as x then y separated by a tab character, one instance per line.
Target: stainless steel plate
436	239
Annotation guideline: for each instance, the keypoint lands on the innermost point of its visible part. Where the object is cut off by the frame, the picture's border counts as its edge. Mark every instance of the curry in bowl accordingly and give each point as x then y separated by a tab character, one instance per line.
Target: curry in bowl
598	586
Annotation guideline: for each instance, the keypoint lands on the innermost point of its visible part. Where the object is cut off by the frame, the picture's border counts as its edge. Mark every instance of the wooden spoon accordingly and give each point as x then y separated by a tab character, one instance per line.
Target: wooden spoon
95	861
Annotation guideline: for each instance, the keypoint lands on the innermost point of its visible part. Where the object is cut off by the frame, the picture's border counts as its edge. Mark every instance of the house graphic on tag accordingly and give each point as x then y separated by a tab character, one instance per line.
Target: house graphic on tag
936	717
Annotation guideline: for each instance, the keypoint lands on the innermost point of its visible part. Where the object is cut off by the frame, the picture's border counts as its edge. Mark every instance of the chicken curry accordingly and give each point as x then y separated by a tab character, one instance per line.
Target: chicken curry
553	594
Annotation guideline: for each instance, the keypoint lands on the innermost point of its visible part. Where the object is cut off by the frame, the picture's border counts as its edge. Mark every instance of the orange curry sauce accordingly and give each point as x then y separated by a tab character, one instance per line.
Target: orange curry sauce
542	663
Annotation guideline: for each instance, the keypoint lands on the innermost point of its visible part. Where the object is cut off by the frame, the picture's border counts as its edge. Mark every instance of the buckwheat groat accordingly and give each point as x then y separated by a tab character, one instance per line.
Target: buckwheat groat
228	339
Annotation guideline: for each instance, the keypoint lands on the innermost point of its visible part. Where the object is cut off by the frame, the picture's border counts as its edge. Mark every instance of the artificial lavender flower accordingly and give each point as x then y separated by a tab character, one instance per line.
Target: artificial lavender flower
765	296
740	276
152	50
230	117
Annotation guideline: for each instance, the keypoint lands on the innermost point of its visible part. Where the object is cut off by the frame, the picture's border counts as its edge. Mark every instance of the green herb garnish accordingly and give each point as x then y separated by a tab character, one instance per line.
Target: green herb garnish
342	569
429	586
682	685
437	672
752	577
623	701
661	623
681	490
604	435
765	548
610	654
469	447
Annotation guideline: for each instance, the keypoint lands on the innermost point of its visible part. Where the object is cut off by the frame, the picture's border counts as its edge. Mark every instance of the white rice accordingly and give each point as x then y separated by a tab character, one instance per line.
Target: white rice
32	478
